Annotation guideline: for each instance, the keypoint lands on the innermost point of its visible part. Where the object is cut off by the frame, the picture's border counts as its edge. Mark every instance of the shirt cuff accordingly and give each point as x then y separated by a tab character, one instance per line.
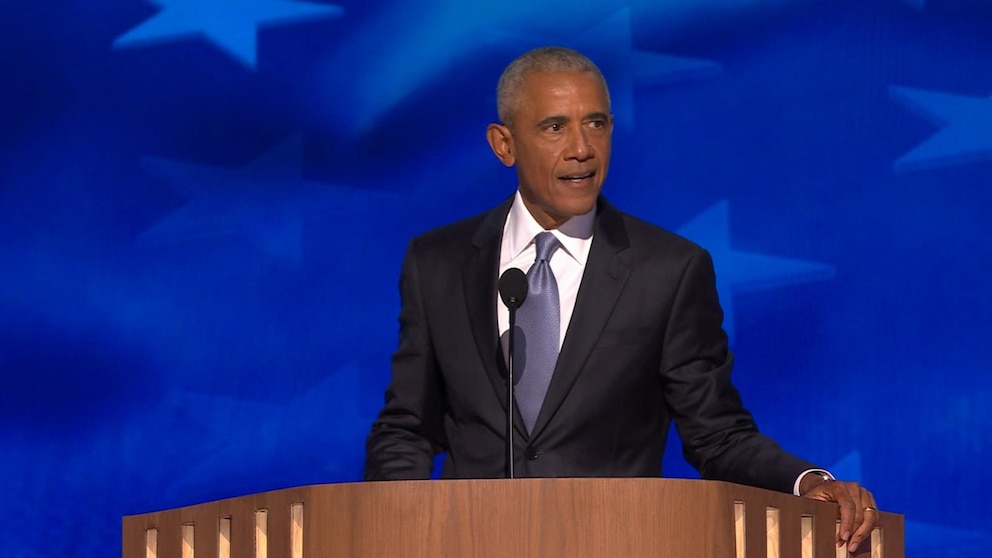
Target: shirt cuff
822	472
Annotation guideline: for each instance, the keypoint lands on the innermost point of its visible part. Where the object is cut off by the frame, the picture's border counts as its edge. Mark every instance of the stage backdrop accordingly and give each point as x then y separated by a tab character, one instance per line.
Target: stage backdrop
204	205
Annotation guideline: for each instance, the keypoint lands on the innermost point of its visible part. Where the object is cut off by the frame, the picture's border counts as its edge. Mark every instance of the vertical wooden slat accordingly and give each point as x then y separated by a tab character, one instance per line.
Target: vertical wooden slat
189	540
151	543
773	532
842	550
261	534
806	536
739	529
877	543
296	530
224	537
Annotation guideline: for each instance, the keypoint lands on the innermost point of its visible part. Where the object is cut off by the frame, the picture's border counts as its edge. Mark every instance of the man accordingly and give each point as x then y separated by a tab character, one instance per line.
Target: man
629	317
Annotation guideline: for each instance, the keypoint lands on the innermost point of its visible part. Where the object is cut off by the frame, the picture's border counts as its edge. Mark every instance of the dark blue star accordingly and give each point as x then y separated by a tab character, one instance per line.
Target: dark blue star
966	128
267	201
232	26
304	430
744	271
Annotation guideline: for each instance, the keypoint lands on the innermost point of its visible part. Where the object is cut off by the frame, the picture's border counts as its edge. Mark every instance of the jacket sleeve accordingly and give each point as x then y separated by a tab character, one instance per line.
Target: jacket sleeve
409	431
719	436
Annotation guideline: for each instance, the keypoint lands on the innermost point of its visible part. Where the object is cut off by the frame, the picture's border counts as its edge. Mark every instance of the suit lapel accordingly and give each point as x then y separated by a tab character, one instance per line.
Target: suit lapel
602	282
480	285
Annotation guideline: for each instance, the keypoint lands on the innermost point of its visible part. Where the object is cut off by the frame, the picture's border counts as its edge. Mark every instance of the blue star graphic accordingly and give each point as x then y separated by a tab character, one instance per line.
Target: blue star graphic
744	271
966	128
427	42
848	468
232	26
610	44
322	429
267	201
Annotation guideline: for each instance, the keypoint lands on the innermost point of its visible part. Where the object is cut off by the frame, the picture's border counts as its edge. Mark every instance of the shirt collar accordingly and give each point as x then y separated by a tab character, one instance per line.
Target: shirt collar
574	234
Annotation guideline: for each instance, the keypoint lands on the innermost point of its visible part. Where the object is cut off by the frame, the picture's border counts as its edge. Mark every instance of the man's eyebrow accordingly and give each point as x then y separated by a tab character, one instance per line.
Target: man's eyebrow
597	116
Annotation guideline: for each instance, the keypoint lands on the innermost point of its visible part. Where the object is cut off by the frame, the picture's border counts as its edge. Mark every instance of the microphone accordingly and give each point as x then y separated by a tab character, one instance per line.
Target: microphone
513	288
513	291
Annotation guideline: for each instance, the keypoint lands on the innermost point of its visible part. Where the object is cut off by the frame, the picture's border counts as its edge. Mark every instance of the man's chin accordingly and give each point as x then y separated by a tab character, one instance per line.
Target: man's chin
574	208
580	205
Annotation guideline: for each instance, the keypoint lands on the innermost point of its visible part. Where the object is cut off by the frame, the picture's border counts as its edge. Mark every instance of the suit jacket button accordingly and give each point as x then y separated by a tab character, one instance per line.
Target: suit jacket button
531	454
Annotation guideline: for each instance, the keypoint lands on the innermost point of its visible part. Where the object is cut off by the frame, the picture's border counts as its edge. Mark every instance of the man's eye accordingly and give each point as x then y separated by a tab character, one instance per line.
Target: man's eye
554	127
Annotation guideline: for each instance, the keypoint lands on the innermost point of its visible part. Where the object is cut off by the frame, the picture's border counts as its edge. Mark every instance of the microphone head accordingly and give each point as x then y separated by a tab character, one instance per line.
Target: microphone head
513	288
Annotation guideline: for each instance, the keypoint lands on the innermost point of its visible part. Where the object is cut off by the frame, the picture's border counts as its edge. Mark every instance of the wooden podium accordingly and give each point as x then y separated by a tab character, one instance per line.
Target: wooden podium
520	518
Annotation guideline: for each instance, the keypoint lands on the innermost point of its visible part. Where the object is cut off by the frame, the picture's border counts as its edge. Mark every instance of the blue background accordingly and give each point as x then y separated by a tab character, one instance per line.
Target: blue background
204	205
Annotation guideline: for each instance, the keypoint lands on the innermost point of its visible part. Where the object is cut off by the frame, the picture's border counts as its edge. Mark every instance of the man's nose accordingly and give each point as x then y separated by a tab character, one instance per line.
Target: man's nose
578	144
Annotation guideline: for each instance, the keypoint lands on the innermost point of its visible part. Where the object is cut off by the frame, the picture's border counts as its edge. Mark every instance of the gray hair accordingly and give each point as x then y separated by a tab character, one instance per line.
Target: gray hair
543	59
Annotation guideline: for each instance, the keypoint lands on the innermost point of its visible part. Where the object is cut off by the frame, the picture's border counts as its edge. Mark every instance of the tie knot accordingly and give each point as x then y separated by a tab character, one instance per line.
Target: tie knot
546	245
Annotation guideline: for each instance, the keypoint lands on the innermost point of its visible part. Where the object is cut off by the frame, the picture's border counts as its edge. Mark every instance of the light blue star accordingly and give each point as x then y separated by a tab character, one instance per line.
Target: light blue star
266	201
230	25
966	123
610	45
426	42
744	271
848	468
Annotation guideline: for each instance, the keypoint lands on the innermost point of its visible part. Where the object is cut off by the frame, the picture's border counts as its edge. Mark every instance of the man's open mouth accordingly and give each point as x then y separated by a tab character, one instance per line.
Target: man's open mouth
578	177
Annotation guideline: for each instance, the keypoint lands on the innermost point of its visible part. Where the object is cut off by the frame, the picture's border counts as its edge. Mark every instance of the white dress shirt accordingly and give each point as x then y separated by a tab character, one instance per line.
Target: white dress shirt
567	262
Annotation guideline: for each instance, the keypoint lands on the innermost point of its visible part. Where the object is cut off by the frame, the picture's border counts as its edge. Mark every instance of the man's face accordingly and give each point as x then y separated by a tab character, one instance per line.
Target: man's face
559	142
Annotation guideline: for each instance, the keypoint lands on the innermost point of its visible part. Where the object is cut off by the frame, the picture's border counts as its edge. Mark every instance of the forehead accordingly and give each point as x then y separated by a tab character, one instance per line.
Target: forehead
563	92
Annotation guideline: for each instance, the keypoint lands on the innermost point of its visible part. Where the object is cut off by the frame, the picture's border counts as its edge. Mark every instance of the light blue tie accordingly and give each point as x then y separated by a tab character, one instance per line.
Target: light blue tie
536	350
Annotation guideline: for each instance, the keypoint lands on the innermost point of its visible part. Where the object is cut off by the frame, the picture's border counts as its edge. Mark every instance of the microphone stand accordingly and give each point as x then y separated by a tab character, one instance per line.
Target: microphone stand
513	292
509	395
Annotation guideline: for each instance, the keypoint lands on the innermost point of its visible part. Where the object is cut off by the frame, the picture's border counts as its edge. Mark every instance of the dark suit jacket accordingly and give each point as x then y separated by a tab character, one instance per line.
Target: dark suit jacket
645	346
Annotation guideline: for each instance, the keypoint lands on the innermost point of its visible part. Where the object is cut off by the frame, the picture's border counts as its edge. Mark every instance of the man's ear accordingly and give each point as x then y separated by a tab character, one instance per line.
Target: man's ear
501	142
